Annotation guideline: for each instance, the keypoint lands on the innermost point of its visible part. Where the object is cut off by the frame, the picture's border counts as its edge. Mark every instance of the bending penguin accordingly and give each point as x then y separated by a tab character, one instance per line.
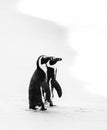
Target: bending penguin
37	83
51	78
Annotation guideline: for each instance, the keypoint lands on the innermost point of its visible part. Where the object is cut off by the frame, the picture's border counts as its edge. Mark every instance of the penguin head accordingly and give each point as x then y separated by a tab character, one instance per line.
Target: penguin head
45	59
54	60
41	62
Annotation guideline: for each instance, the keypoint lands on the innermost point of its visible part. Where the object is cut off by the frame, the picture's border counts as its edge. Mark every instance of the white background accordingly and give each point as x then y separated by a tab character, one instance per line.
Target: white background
74	30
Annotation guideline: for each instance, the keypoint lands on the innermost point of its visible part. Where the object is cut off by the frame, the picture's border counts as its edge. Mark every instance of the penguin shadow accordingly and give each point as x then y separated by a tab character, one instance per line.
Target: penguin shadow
32	37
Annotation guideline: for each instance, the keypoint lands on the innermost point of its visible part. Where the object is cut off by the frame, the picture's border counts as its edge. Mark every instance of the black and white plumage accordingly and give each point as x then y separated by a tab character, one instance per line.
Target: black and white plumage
38	83
51	78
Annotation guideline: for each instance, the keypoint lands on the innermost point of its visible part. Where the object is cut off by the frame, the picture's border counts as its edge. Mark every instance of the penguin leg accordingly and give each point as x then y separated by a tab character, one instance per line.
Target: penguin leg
57	87
52	95
43	107
46	90
42	100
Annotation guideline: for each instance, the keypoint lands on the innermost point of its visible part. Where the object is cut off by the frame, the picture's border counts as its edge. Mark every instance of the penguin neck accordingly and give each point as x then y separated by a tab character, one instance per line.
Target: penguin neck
52	71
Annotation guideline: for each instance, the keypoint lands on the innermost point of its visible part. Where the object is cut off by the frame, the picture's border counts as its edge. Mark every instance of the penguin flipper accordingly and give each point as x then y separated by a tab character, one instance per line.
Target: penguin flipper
57	87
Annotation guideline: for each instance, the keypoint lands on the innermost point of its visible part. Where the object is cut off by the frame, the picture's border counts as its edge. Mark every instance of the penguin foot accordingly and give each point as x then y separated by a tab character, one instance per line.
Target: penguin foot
33	108
51	105
43	109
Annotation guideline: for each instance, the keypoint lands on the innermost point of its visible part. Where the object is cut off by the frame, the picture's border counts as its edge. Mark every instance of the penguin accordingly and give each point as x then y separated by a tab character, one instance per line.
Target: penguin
51	78
38	83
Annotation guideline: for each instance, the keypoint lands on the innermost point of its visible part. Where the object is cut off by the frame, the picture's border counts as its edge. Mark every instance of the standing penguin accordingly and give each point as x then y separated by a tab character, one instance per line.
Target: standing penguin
51	78
37	83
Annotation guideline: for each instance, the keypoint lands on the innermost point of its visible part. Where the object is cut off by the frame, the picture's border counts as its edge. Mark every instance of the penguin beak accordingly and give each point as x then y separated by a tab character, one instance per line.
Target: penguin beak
59	59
